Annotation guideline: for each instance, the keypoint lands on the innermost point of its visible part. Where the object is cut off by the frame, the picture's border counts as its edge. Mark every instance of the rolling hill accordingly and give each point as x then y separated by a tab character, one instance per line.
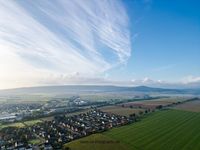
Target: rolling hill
66	89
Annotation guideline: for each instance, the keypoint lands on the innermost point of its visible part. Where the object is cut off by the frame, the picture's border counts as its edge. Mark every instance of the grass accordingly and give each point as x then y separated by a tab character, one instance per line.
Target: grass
162	130
35	141
50	118
96	142
32	122
152	104
118	110
164	101
189	106
18	125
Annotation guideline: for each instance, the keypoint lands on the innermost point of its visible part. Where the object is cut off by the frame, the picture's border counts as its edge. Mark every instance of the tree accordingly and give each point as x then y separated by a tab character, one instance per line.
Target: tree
159	107
140	112
132	115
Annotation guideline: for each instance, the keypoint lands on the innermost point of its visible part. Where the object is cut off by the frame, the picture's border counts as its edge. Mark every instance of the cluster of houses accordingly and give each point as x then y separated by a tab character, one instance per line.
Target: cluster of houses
53	134
19	107
16	112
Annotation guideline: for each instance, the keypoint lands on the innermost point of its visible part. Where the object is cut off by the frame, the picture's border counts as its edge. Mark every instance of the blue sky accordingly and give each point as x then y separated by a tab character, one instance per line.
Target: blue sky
167	42
129	42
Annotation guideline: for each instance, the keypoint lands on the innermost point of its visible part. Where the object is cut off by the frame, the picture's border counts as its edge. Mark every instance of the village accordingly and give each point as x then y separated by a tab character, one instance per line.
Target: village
60	130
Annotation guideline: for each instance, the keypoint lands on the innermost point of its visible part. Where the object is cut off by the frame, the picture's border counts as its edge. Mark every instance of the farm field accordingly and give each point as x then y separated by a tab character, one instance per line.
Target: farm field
166	130
189	106
18	125
118	110
96	142
152	104
50	118
32	122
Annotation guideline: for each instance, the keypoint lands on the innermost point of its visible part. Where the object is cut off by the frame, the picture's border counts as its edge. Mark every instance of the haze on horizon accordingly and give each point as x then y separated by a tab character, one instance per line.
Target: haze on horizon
60	42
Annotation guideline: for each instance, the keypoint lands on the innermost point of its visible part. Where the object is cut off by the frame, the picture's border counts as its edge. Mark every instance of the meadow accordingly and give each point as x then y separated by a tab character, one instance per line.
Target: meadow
32	122
190	106
152	104
96	142
17	124
166	130
118	110
20	124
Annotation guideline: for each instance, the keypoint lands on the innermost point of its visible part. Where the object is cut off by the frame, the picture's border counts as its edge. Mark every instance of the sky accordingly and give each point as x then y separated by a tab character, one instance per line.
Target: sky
115	42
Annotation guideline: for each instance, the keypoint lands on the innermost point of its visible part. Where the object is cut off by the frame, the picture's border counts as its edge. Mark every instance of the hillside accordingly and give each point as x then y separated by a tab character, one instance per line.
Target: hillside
78	89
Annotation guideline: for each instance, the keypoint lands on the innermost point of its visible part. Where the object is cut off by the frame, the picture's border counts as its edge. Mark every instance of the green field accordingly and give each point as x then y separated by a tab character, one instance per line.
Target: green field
35	141
97	142
32	122
189	106
162	130
18	125
123	111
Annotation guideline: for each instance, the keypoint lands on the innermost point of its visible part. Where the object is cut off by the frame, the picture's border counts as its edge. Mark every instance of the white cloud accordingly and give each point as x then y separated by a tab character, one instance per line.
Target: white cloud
42	41
146	82
191	79
186	82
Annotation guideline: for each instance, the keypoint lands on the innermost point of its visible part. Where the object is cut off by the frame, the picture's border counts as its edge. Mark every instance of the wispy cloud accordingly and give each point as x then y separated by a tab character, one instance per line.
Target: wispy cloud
47	39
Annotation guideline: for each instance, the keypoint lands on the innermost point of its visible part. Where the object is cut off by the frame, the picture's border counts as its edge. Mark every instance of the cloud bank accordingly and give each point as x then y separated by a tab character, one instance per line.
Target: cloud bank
184	83
46	41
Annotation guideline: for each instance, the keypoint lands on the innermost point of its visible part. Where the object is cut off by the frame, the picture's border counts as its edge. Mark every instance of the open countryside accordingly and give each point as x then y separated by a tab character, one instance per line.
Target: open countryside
117	125
123	111
163	130
96	142
99	75
152	104
190	106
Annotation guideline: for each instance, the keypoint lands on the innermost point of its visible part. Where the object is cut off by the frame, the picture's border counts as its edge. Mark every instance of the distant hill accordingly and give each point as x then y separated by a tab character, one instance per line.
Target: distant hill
66	89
